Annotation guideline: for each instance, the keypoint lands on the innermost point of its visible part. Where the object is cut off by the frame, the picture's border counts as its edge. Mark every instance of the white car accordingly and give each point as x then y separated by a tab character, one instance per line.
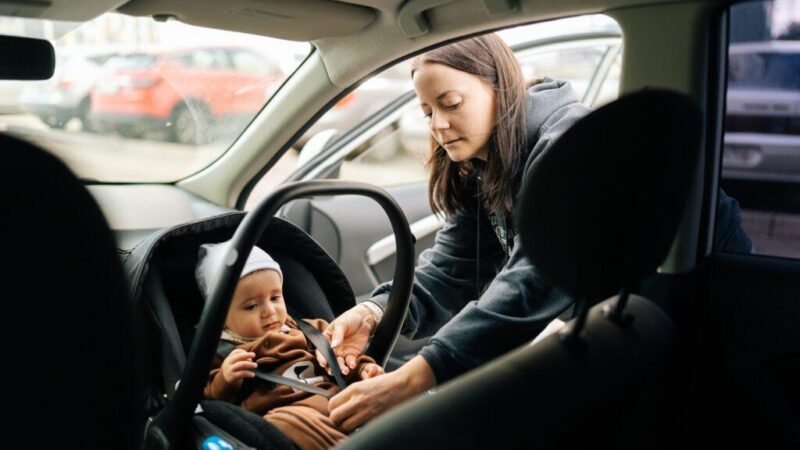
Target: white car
67	94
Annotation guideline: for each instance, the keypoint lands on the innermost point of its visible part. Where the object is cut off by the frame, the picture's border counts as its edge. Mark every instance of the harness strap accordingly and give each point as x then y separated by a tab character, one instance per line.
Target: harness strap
321	343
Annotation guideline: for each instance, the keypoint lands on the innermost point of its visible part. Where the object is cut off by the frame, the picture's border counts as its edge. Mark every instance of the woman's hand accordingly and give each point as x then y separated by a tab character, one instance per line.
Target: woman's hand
365	400
349	335
238	366
370	370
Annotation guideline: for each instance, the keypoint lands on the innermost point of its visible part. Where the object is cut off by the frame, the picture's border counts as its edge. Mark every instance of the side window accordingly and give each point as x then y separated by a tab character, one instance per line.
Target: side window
382	136
395	149
577	64
761	142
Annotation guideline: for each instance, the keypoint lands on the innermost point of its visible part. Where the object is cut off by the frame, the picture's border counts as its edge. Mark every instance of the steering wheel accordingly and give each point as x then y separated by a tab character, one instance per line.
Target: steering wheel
172	423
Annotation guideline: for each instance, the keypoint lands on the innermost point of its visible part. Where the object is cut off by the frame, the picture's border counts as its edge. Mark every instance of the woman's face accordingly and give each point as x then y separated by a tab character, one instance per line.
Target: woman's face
460	108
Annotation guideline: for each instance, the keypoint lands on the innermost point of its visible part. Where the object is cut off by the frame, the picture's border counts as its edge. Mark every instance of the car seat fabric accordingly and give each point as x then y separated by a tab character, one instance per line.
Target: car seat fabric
69	330
599	211
251	429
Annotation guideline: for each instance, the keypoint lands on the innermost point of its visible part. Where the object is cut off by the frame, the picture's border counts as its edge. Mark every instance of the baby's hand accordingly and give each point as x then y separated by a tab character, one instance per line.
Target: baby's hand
370	370
238	366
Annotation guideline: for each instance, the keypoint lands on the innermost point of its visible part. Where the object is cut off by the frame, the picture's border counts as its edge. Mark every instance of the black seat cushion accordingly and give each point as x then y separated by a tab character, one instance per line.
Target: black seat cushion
247	427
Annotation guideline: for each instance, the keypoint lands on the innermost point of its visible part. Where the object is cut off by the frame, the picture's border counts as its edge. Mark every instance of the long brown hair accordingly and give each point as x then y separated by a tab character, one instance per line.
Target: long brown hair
488	57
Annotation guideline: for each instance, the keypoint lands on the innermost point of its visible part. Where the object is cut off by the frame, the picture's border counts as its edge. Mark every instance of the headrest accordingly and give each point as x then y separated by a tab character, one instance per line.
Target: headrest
602	205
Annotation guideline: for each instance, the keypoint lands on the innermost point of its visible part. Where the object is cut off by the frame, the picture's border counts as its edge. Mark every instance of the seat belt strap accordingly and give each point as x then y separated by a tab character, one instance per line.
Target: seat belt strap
321	343
224	348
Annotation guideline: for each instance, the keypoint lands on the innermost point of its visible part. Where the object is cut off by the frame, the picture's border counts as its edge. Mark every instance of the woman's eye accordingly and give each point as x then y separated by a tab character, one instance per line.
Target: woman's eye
453	106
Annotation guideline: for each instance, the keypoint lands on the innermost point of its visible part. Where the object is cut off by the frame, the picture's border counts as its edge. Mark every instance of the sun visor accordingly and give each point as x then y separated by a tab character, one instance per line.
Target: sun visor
299	21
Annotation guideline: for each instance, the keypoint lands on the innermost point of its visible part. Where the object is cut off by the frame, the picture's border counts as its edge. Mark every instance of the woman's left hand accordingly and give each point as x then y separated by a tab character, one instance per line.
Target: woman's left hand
365	400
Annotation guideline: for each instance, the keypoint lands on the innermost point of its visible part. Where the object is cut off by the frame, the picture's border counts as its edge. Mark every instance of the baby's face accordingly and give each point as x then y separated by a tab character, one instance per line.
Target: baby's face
257	306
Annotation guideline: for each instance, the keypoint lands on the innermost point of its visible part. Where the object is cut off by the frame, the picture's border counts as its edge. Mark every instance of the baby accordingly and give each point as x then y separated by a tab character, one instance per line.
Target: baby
264	335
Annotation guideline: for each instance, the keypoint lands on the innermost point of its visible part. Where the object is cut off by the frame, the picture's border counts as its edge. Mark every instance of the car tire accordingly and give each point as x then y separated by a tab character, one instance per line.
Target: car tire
83	115
190	124
55	122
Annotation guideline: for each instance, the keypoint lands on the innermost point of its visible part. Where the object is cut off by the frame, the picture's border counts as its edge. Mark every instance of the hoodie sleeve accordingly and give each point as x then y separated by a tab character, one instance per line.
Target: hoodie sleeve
445	277
516	306
729	236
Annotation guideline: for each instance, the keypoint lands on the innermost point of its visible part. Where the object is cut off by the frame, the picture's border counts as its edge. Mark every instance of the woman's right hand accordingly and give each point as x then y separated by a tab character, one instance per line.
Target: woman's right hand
349	334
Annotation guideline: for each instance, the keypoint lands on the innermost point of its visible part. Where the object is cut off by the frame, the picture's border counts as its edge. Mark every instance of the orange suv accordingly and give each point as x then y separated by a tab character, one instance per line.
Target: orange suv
182	95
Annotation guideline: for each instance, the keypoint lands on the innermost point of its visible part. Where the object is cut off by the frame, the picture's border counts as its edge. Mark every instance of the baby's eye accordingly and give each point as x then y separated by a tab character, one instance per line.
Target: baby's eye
275	298
250	307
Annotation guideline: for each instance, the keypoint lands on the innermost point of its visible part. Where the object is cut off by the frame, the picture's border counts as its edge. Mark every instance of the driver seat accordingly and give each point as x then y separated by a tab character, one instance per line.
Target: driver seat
69	359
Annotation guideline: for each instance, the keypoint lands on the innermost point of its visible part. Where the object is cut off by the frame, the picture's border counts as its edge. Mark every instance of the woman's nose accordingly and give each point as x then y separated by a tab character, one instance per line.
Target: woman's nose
439	121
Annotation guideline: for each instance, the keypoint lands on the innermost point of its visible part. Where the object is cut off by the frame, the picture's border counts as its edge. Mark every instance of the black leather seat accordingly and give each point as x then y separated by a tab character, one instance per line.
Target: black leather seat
69	359
599	211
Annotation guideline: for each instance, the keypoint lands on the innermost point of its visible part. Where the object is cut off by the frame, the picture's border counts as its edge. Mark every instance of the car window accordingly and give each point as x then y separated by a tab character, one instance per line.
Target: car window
248	62
141	100
585	51
203	59
761	142
577	64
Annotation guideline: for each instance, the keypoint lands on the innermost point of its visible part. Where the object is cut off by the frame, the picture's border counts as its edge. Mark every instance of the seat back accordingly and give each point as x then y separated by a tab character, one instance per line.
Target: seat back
69	352
597	212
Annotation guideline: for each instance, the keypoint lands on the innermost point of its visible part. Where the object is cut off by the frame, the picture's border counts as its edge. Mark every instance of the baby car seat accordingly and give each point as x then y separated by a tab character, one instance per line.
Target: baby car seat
168	304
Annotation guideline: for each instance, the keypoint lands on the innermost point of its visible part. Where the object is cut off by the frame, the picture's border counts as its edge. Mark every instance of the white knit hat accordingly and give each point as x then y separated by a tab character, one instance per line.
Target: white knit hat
210	258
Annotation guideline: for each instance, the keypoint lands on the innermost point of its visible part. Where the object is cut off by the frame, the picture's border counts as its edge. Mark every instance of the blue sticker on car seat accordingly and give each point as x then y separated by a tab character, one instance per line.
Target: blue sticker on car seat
216	443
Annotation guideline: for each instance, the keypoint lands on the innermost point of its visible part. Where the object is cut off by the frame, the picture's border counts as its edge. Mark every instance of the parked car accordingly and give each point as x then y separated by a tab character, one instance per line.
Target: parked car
762	139
67	94
185	95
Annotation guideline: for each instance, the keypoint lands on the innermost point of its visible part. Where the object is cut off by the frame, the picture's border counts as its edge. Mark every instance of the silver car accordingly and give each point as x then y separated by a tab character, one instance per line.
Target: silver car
762	138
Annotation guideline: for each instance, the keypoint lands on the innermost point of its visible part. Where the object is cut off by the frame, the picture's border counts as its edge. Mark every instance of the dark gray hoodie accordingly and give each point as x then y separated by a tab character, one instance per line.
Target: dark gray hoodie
472	323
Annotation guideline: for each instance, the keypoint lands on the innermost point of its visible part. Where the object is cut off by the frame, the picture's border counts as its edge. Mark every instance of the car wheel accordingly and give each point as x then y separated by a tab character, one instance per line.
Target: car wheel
54	122
83	115
190	124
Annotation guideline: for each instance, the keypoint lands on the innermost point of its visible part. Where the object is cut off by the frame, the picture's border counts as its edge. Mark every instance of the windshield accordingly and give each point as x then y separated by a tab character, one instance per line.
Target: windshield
135	100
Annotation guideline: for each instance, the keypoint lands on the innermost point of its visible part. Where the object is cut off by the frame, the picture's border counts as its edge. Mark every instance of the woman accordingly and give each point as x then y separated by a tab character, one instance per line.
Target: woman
474	291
